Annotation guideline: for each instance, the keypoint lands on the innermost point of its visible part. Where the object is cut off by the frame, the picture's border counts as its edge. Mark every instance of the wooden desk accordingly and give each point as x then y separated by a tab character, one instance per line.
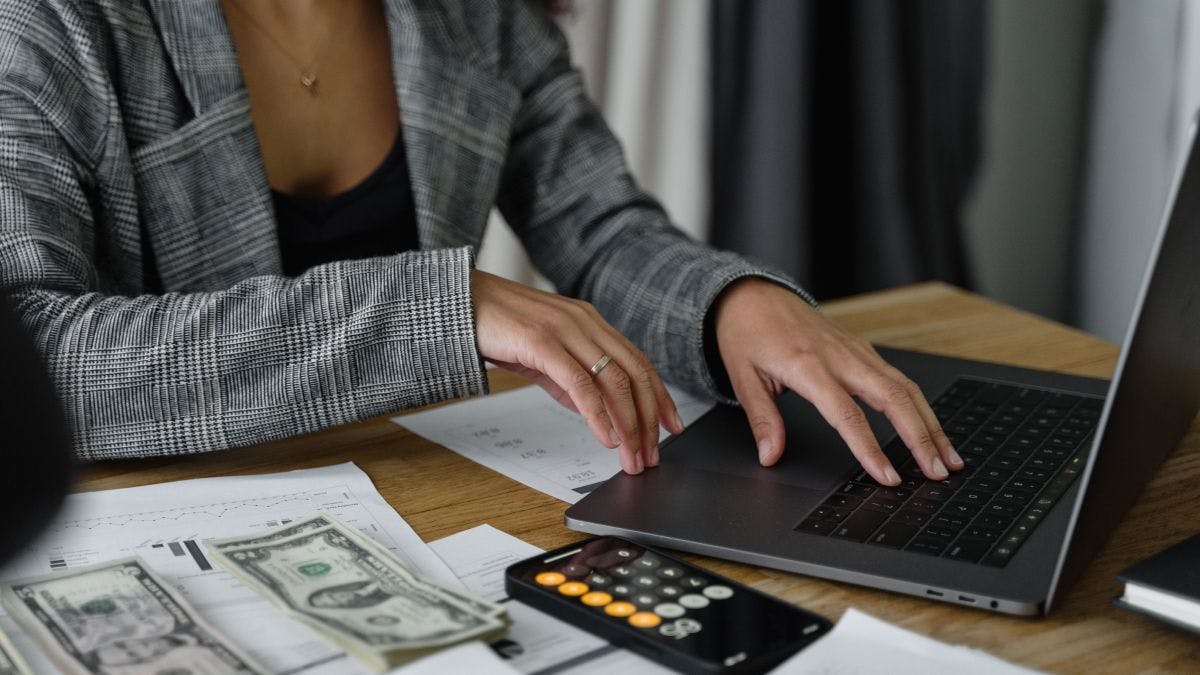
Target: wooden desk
441	493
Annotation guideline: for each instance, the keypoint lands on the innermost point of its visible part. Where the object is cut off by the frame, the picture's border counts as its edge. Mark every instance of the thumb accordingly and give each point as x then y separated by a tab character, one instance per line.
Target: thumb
758	400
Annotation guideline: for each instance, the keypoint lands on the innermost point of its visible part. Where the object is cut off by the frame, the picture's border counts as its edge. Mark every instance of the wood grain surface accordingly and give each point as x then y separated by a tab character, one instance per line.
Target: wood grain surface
440	493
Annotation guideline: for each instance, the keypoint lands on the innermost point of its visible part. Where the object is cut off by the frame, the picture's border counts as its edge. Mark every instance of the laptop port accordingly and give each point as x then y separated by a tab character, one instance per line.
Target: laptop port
966	598
936	594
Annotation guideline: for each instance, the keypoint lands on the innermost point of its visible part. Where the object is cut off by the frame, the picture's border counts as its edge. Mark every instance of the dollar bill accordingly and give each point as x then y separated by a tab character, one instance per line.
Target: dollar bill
354	592
120	618
11	662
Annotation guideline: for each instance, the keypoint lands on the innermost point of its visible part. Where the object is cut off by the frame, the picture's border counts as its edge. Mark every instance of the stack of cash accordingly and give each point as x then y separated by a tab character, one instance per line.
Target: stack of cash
11	662
119	618
331	577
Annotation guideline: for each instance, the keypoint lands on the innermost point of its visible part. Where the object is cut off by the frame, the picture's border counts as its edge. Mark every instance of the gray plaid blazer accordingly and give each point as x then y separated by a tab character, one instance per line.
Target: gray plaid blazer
127	153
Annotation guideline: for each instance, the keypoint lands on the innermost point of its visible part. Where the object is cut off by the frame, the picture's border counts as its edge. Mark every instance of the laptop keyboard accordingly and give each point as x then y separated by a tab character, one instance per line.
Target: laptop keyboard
1022	448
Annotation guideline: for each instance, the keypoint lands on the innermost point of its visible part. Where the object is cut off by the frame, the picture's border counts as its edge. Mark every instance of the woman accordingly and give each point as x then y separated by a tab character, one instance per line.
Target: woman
233	220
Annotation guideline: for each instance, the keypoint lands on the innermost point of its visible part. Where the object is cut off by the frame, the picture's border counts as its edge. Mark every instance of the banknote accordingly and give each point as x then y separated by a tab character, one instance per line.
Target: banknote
120	618
11	662
331	577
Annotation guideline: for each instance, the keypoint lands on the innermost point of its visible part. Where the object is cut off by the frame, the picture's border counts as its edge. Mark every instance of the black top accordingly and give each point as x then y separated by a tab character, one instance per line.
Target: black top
374	218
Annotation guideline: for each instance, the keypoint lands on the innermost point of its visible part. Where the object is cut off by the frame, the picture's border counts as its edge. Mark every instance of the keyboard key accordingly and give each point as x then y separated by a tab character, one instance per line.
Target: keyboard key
926	545
983	485
934	492
975	448
911	517
1006	463
994	393
843	502
954	481
859	525
1034	474
829	513
1017	452
939	532
951	521
894	535
983	533
1025	485
968	550
999	556
992	521
995	473
962	509
1002	509
1014	497
922	505
856	490
882	505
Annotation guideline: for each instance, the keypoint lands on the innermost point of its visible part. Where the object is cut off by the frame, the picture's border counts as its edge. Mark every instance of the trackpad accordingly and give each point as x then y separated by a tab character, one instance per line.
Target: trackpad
814	456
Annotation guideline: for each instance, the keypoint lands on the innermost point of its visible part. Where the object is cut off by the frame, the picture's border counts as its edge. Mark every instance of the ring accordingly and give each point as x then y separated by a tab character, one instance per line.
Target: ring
599	366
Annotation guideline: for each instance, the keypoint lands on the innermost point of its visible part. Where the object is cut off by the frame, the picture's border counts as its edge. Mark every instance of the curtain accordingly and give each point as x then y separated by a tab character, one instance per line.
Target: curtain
846	136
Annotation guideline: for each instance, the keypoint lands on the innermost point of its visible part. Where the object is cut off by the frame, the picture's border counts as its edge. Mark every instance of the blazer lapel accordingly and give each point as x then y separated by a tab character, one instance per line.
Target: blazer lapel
204	187
456	117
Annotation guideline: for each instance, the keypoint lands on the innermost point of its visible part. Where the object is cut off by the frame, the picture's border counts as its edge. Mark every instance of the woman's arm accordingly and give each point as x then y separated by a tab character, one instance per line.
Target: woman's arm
179	373
568	195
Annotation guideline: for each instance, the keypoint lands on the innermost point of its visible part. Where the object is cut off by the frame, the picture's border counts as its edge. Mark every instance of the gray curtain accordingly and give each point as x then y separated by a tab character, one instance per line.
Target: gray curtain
845	137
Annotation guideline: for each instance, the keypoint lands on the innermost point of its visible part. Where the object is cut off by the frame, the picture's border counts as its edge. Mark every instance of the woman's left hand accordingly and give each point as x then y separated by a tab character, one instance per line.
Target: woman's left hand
769	339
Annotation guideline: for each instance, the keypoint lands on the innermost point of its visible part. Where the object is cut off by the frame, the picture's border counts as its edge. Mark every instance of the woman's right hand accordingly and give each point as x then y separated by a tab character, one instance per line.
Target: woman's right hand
555	341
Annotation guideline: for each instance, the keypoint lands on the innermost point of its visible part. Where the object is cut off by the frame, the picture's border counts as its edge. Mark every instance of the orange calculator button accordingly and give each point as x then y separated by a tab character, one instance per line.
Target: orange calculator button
550	578
573	588
645	620
620	608
596	599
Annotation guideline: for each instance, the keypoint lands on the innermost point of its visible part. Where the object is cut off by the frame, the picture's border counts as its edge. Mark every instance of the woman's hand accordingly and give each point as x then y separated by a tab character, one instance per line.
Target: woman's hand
555	341
770	339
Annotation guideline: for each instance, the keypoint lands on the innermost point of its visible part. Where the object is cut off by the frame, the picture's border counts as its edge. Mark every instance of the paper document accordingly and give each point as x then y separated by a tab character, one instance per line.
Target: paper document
164	524
536	642
473	657
860	643
527	436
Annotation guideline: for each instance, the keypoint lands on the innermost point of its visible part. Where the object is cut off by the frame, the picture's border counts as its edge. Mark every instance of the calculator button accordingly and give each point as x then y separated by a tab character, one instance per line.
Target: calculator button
596	599
573	588
623	571
670	573
645	599
647	562
550	578
620	609
669	591
693	601
575	570
626	554
645	581
645	620
622	589
718	592
669	610
597	580
694	582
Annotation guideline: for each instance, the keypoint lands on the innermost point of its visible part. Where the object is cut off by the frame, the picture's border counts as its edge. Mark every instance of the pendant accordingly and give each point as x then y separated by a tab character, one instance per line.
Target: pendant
309	80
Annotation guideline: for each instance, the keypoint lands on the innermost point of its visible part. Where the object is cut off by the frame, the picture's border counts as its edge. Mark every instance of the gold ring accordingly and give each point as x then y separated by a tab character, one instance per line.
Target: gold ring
599	366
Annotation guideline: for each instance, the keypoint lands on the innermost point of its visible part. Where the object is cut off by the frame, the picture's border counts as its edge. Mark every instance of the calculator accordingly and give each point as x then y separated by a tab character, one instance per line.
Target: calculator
668	610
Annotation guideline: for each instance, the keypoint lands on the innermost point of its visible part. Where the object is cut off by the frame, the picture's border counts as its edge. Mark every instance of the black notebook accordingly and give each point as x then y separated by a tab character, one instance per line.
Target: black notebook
1166	586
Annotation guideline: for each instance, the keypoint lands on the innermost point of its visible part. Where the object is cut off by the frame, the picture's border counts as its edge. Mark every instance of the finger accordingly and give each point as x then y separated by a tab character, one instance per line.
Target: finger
945	448
642	377
758	400
844	415
894	400
617	391
668	413
566	372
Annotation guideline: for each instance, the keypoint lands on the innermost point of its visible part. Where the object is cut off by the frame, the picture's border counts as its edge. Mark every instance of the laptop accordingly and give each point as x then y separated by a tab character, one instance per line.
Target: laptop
1053	462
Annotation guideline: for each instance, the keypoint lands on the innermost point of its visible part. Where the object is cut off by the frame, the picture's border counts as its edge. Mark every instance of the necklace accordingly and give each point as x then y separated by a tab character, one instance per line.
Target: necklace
308	71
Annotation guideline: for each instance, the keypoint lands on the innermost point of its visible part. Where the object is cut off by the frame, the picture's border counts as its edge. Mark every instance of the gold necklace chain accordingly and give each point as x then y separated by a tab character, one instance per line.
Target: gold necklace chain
308	72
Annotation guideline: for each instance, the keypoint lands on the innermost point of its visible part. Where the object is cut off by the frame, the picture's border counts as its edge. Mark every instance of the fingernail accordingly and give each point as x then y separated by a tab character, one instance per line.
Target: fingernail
954	459
654	456
764	449
614	437
892	477
678	422
939	469
637	463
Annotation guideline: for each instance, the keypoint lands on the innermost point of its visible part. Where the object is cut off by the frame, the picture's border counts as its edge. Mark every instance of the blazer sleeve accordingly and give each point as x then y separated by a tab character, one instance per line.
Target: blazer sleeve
568	194
179	373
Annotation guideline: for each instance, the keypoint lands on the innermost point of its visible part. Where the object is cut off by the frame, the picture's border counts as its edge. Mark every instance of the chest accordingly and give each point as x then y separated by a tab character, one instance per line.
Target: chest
321	92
